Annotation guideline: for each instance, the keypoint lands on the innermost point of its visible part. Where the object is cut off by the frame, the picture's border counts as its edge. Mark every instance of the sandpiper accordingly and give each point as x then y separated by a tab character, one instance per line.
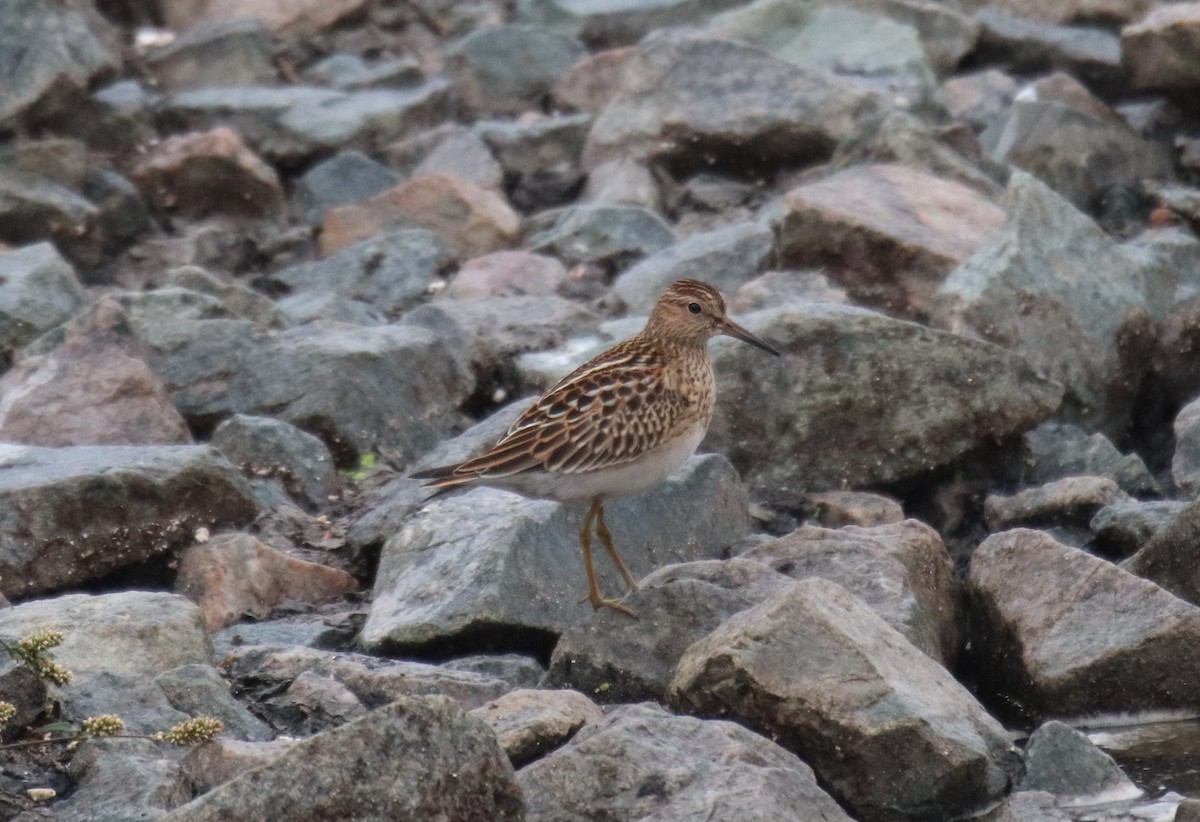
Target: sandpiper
616	425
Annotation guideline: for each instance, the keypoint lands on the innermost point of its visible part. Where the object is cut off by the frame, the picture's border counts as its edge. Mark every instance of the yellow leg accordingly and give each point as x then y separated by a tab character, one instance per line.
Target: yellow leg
585	542
606	540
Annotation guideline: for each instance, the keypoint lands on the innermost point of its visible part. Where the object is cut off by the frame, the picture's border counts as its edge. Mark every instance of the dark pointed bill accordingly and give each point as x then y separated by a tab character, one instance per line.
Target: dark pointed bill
734	330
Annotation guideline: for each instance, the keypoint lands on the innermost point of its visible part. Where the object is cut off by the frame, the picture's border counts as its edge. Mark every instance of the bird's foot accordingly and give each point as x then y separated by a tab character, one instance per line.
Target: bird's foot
597	602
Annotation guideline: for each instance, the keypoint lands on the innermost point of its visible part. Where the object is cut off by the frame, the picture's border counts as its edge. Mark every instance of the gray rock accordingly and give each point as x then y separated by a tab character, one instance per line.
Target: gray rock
27	693
204	767
121	213
902	571
1020	292
313	306
609	23
610	235
1167	557
1027	806
264	446
38	290
861	400
1062	761
350	72
1185	465
346	177
1064	502
947	33
306	630
530	723
461	152
115	645
491	560
353	772
684	92
616	659
979	98
1122	528
1035	46
197	689
311	704
873	694
1068	634
390	271
238	299
491	81
518	671
1188	811
52	54
541	159
292	125
1057	450
1171	258
215	53
33	208
726	258
74	514
641	762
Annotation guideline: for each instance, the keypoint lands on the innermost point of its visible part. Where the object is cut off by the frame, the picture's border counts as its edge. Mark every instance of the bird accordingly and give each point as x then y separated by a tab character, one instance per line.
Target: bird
615	426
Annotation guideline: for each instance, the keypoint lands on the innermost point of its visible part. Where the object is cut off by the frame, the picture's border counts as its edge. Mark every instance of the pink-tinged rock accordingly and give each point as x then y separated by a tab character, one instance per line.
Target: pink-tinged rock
209	172
889	234
235	575
508	274
296	17
215	763
1159	51
93	387
837	508
469	219
530	723
591	83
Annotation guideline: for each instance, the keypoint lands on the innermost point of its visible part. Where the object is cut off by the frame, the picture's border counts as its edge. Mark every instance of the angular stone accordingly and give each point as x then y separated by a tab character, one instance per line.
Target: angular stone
1064	501
216	53
591	83
295	17
1022	291
197	689
1158	50
641	762
491	81
238	299
313	306
530	723
353	772
1070	11
540	158
1123	528
311	704
610	23
1027	806
1033	46
446	574
979	98
204	767
860	222
1065	633
461	153
350	72
469	219
234	575
1185	465
609	235
833	509
87	383
517	670
871	692
1062	761
122	780
1058	450
683	92
262	446
508	274
75	514
346	177
861	400
1167	559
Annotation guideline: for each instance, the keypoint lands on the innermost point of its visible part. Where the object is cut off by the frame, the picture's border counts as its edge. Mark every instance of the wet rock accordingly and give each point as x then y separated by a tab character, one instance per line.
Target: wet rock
294	17
446	575
872	690
590	84
629	766
87	383
529	723
468	219
979	98
540	158
861	221
1058	450
353	771
33	208
238	299
235	575
262	446
390	271
901	571
691	100
1185	465
609	235
1041	606
54	54
1062	761
833	509
617	22
346	177
1157	49
508	274
1122	528
616	659
1093	341
216	53
1071	500
518	671
1033	46
198	690
214	763
869	400
77	513
491	81
124	780
726	258
312	704
115	645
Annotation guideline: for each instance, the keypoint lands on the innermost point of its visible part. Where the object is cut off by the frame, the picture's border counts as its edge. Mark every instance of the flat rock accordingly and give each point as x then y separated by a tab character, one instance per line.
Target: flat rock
641	762
1070	634
1156	50
491	81
75	514
682	91
38	290
859	222
490	560
862	400
87	382
1020	292
902	571
1185	464
616	659
353	772
232	576
872	690
531	723
1064	762
1061	502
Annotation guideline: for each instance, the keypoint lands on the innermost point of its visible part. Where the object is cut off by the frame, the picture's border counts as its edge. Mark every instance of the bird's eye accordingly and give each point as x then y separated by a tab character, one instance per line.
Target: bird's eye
694	308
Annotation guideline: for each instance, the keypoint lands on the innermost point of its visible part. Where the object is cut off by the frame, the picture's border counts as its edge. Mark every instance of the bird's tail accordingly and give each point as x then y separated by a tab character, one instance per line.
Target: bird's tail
442	477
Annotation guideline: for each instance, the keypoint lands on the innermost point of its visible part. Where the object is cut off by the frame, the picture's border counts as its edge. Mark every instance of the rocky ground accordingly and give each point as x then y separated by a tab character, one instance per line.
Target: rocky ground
261	259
